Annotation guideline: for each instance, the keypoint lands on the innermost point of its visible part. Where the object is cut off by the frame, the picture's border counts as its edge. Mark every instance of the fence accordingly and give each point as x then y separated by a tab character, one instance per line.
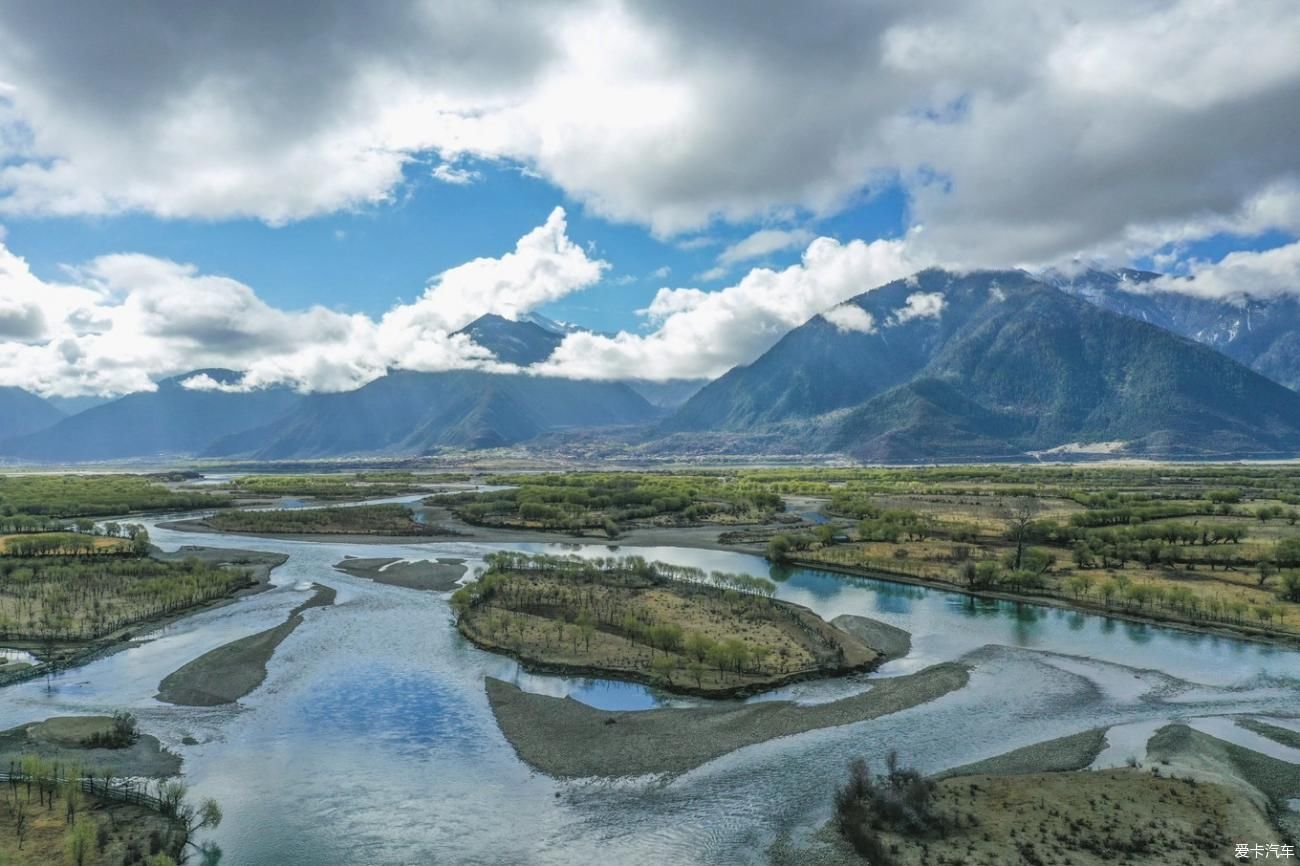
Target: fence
120	790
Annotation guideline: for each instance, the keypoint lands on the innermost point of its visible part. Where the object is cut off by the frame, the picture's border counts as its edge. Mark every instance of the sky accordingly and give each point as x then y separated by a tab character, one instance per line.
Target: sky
313	193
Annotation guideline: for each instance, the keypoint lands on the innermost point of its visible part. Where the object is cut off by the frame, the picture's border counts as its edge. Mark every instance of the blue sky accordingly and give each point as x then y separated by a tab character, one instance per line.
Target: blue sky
367	259
244	186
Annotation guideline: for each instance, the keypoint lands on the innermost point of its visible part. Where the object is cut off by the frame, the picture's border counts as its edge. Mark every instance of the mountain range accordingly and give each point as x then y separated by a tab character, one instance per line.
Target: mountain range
1263	334
994	365
939	366
171	421
412	413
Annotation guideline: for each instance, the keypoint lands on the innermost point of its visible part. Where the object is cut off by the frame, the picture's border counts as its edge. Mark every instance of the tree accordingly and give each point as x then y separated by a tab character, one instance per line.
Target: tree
665	666
987	573
698	646
1020	516
1287	552
778	548
1291	586
191	818
696	670
586	626
80	842
1267	569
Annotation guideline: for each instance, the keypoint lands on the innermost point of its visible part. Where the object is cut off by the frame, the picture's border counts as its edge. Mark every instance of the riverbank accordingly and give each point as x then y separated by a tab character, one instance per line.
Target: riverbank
565	738
232	671
890	641
439	575
59	739
707	538
698	537
1227	630
71	653
1200	797
1060	755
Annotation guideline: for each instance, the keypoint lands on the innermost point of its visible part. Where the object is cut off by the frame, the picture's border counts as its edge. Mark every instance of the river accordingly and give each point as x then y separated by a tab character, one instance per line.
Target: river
371	741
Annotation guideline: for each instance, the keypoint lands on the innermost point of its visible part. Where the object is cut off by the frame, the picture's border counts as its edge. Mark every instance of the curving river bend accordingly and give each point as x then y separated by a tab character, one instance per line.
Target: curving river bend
371	741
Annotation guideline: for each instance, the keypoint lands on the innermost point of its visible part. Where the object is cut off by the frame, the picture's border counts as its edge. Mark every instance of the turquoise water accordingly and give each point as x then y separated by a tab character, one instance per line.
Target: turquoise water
372	742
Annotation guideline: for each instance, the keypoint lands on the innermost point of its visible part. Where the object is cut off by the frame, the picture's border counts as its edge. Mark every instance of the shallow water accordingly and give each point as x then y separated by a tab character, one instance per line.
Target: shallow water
372	742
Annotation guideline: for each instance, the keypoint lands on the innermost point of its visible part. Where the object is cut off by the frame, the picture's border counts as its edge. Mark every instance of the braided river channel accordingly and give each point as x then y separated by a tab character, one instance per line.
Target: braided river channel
372	740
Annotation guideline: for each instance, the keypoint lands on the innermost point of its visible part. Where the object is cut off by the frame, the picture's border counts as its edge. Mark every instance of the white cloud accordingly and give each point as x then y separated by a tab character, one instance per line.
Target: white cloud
1106	129
1239	275
661	273
668	302
712	274
123	321
851	317
919	305
762	243
450	173
545	266
703	334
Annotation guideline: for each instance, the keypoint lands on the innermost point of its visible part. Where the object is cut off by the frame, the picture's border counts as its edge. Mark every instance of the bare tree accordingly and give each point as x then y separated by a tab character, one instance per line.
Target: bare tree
1020	515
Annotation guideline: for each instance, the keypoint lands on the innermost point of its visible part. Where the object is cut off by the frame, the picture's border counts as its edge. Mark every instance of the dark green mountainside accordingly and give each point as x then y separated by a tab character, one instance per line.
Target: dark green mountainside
1263	334
995	365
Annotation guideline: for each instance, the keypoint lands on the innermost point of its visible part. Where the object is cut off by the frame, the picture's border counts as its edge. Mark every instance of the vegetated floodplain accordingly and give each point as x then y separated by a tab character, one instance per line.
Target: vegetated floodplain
34	502
1206	545
1211	546
61	803
615	501
391	519
899	818
674	627
356	485
71	593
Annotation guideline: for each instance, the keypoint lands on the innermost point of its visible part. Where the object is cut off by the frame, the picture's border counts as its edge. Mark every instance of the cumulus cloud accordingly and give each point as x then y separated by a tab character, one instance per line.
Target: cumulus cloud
544	266
1109	129
762	243
1237	276
122	321
919	305
851	317
703	334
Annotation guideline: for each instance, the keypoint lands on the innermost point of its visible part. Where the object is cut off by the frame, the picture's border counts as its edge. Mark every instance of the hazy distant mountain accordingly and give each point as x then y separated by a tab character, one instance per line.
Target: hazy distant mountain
73	405
411	413
22	412
173	420
668	394
514	342
1262	334
993	364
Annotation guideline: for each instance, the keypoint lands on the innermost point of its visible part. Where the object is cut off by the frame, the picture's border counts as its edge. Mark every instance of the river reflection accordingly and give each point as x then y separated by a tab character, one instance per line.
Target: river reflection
372	742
